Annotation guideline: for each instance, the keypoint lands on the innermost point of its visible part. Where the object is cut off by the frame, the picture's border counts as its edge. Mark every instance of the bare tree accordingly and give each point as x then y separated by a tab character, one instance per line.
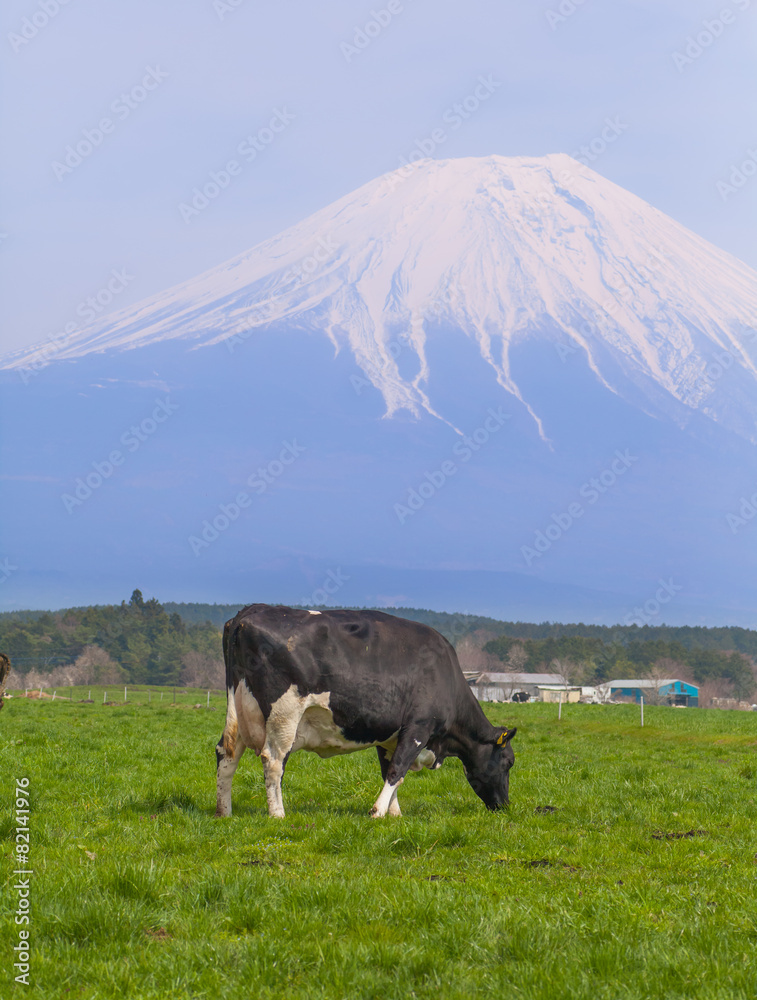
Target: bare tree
716	694
95	666
517	657
472	656
662	670
92	666
203	671
509	684
570	672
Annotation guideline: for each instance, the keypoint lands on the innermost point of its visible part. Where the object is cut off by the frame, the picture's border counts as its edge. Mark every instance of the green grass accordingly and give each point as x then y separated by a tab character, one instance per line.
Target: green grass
592	900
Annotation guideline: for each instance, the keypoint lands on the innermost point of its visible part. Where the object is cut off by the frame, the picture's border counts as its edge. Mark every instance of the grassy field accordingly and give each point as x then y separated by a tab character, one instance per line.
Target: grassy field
641	883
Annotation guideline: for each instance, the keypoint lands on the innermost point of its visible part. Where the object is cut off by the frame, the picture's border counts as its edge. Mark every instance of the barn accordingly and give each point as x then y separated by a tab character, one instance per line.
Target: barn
671	691
490	686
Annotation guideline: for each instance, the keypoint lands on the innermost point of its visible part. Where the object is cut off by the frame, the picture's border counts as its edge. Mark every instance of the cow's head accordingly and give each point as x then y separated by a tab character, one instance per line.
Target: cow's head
488	769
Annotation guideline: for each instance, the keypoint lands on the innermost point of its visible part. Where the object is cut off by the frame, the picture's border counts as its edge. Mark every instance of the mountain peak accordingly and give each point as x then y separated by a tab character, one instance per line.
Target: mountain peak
503	249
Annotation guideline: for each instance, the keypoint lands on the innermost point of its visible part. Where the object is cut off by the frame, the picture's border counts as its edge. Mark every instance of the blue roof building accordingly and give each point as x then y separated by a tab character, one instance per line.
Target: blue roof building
673	691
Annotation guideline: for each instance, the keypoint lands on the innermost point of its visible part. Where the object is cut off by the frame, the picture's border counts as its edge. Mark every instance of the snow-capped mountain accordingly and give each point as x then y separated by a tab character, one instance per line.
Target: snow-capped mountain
504	249
501	385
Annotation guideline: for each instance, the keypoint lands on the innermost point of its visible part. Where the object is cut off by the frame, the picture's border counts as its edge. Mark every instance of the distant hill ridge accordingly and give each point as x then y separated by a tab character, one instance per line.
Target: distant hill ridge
456	626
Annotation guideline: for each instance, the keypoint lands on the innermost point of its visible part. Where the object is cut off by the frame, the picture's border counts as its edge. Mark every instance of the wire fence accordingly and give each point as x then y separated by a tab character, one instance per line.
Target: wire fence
115	694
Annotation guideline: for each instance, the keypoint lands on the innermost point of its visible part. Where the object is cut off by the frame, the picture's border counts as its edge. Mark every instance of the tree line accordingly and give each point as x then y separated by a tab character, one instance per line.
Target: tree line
153	642
455	626
141	637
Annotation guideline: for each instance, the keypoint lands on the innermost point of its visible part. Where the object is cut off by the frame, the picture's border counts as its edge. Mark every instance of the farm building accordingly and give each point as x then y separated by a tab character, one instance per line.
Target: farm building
672	690
559	692
509	686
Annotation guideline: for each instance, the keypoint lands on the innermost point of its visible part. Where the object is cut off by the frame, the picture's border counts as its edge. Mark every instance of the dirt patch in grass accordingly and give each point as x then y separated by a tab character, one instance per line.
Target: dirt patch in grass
263	863
157	933
678	834
546	863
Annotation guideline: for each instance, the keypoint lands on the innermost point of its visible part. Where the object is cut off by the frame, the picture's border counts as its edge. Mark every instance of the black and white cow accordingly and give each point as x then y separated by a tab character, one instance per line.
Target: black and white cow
338	681
5	669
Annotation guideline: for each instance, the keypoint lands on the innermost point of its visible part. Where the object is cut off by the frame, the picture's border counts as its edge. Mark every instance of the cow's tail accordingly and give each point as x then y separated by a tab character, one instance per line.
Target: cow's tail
231	729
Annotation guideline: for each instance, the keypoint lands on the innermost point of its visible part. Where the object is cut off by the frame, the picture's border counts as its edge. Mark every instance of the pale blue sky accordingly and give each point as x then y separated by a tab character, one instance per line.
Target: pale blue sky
353	120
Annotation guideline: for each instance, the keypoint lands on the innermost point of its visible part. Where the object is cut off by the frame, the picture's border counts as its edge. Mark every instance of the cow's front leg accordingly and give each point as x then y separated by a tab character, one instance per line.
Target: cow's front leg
384	760
408	745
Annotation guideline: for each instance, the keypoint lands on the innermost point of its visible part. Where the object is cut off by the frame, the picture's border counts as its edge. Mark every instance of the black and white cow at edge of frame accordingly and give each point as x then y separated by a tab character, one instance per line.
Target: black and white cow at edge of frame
338	681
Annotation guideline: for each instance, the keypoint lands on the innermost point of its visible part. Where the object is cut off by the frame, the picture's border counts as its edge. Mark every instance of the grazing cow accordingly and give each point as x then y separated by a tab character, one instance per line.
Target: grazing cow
338	681
5	669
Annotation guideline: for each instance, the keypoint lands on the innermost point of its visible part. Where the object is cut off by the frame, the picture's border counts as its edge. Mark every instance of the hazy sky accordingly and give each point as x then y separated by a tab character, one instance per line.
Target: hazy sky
325	108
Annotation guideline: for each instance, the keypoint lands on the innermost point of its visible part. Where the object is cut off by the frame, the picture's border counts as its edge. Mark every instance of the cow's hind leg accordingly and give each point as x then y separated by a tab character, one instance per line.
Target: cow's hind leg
384	760
228	754
273	772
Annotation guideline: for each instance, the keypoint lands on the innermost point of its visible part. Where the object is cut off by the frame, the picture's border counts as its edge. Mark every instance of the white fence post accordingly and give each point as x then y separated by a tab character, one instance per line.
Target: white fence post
641	696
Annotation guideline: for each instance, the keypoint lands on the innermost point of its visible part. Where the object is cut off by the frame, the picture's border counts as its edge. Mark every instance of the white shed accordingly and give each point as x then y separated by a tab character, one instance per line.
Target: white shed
505	686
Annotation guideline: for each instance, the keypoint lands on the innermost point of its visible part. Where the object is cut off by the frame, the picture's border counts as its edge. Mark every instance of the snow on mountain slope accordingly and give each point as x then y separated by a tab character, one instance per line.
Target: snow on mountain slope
502	249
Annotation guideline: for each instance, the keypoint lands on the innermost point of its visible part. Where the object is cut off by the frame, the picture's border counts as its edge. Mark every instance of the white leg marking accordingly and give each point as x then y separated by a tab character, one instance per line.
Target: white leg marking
383	802
224	775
